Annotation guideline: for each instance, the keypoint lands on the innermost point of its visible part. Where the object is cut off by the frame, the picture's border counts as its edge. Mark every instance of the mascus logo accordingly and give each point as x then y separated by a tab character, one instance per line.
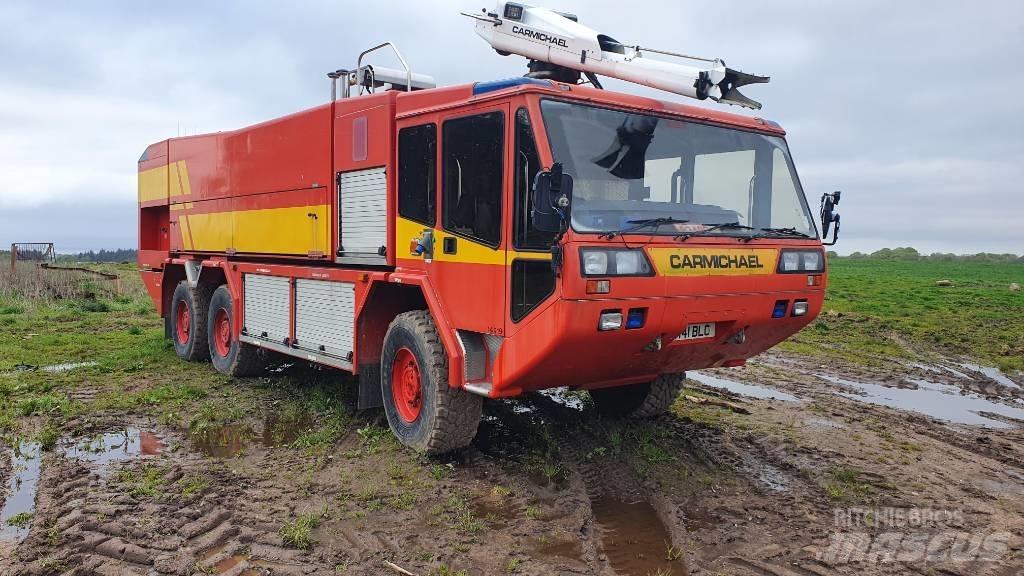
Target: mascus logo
540	36
715	261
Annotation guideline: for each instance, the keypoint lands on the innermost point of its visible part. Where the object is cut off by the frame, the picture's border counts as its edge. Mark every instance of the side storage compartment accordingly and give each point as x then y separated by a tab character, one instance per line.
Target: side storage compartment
266	308
362	225
325	317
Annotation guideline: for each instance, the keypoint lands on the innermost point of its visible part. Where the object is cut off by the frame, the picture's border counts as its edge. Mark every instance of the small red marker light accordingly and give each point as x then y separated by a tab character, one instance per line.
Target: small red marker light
599	286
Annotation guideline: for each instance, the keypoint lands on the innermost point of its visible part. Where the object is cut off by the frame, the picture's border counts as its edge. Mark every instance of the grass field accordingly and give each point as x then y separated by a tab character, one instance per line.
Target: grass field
877	309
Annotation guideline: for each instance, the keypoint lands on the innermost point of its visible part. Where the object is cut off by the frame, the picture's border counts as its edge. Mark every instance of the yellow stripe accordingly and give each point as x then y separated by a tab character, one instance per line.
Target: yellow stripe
469	252
283	230
186	234
270	231
186	186
514	255
153	184
178	179
714	261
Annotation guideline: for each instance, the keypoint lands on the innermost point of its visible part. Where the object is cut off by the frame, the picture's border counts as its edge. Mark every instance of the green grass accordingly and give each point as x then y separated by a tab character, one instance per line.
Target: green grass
298	532
147	482
20	520
875	309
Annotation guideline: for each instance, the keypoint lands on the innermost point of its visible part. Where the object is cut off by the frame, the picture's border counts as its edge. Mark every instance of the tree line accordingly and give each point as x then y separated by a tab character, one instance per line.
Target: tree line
910	254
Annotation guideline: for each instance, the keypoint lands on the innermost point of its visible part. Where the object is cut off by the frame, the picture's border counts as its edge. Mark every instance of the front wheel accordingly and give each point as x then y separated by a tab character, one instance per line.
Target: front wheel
639	400
423	411
230	356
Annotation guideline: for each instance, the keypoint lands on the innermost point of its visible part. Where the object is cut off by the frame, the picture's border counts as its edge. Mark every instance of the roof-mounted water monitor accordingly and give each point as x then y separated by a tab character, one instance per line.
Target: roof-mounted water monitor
560	48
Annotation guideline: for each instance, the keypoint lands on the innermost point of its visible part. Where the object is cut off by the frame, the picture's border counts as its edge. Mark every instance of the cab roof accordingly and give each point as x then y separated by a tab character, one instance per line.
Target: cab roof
424	100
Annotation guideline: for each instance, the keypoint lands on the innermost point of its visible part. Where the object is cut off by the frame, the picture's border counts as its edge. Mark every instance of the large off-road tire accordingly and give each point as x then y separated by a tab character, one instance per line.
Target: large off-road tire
424	412
639	400
187	322
230	356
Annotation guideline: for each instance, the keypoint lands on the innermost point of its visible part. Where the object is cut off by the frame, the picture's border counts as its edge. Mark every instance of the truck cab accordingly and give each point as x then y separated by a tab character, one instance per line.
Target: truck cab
683	242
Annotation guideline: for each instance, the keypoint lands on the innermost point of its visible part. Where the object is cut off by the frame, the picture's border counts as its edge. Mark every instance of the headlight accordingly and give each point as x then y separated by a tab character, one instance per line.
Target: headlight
628	262
801	261
595	263
615	262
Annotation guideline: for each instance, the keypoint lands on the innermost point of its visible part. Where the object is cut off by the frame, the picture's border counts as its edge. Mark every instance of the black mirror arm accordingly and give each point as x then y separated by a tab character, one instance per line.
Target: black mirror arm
828	216
835	233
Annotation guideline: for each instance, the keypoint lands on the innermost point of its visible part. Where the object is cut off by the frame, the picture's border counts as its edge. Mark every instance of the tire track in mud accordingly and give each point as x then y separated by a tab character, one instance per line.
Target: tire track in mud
616	490
86	523
626	531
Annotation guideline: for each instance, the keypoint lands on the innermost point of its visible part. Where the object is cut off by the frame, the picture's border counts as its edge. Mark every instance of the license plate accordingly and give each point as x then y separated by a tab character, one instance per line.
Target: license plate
698	331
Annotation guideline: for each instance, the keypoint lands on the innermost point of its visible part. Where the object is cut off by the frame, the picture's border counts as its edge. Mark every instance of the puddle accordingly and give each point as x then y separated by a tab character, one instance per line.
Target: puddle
749	390
633	538
67	366
925	367
222	442
229	563
565	397
21	489
560	549
992	373
494	512
940	401
113	446
955	372
101	449
53	368
230	440
278	431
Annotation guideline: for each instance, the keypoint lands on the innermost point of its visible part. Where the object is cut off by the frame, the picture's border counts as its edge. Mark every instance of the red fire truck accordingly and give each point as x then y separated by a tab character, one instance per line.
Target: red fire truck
450	244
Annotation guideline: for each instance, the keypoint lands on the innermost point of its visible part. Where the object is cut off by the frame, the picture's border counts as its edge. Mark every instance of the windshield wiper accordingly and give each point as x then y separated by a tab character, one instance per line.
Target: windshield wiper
641	224
768	232
712	228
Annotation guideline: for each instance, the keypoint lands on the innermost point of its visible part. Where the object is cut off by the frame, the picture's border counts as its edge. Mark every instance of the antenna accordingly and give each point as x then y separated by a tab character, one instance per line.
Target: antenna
560	48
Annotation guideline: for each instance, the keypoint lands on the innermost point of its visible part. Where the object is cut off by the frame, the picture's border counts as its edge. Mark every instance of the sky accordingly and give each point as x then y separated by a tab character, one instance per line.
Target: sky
910	108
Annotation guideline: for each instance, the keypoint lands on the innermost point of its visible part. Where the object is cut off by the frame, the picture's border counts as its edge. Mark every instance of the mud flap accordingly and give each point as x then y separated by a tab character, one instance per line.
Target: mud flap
370	395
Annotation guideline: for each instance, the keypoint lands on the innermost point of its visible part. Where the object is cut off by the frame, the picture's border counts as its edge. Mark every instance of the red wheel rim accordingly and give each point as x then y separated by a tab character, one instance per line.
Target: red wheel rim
222	333
405	385
182	322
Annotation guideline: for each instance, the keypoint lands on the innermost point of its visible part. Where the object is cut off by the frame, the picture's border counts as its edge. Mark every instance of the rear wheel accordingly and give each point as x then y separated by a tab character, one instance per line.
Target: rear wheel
230	356
424	412
187	318
639	400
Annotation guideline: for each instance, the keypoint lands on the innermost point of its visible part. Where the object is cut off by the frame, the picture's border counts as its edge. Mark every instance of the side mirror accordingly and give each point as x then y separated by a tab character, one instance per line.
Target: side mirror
552	199
828	216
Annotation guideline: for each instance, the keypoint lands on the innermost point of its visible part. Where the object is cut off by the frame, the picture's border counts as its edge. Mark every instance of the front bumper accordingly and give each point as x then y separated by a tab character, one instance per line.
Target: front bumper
562	346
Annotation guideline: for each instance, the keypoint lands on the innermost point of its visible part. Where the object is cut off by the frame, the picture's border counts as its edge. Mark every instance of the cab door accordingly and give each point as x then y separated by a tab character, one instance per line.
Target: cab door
467	268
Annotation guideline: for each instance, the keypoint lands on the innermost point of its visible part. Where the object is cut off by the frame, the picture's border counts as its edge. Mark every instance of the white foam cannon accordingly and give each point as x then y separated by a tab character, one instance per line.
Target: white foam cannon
557	39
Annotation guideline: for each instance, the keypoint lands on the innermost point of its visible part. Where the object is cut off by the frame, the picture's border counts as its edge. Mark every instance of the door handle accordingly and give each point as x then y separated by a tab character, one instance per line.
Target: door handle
450	245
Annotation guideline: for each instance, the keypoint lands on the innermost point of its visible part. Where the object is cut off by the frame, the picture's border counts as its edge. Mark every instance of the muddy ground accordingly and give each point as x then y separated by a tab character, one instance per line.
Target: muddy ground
817	480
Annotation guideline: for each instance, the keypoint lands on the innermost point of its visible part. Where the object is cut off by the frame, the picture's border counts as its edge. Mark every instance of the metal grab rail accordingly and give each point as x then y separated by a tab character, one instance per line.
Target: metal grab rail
408	71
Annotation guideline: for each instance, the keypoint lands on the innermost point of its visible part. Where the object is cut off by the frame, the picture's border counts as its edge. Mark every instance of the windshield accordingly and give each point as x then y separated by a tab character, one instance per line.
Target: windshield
630	167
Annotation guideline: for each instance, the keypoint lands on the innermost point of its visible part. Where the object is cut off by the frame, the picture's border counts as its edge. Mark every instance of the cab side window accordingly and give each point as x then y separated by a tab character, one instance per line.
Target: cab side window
473	162
417	169
526	237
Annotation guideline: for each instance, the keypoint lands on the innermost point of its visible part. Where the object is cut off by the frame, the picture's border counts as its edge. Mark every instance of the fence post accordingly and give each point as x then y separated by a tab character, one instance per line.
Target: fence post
14	256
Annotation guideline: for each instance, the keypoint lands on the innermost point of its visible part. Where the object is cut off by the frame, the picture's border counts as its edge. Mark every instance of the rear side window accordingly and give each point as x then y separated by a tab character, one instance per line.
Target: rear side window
473	162
417	169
